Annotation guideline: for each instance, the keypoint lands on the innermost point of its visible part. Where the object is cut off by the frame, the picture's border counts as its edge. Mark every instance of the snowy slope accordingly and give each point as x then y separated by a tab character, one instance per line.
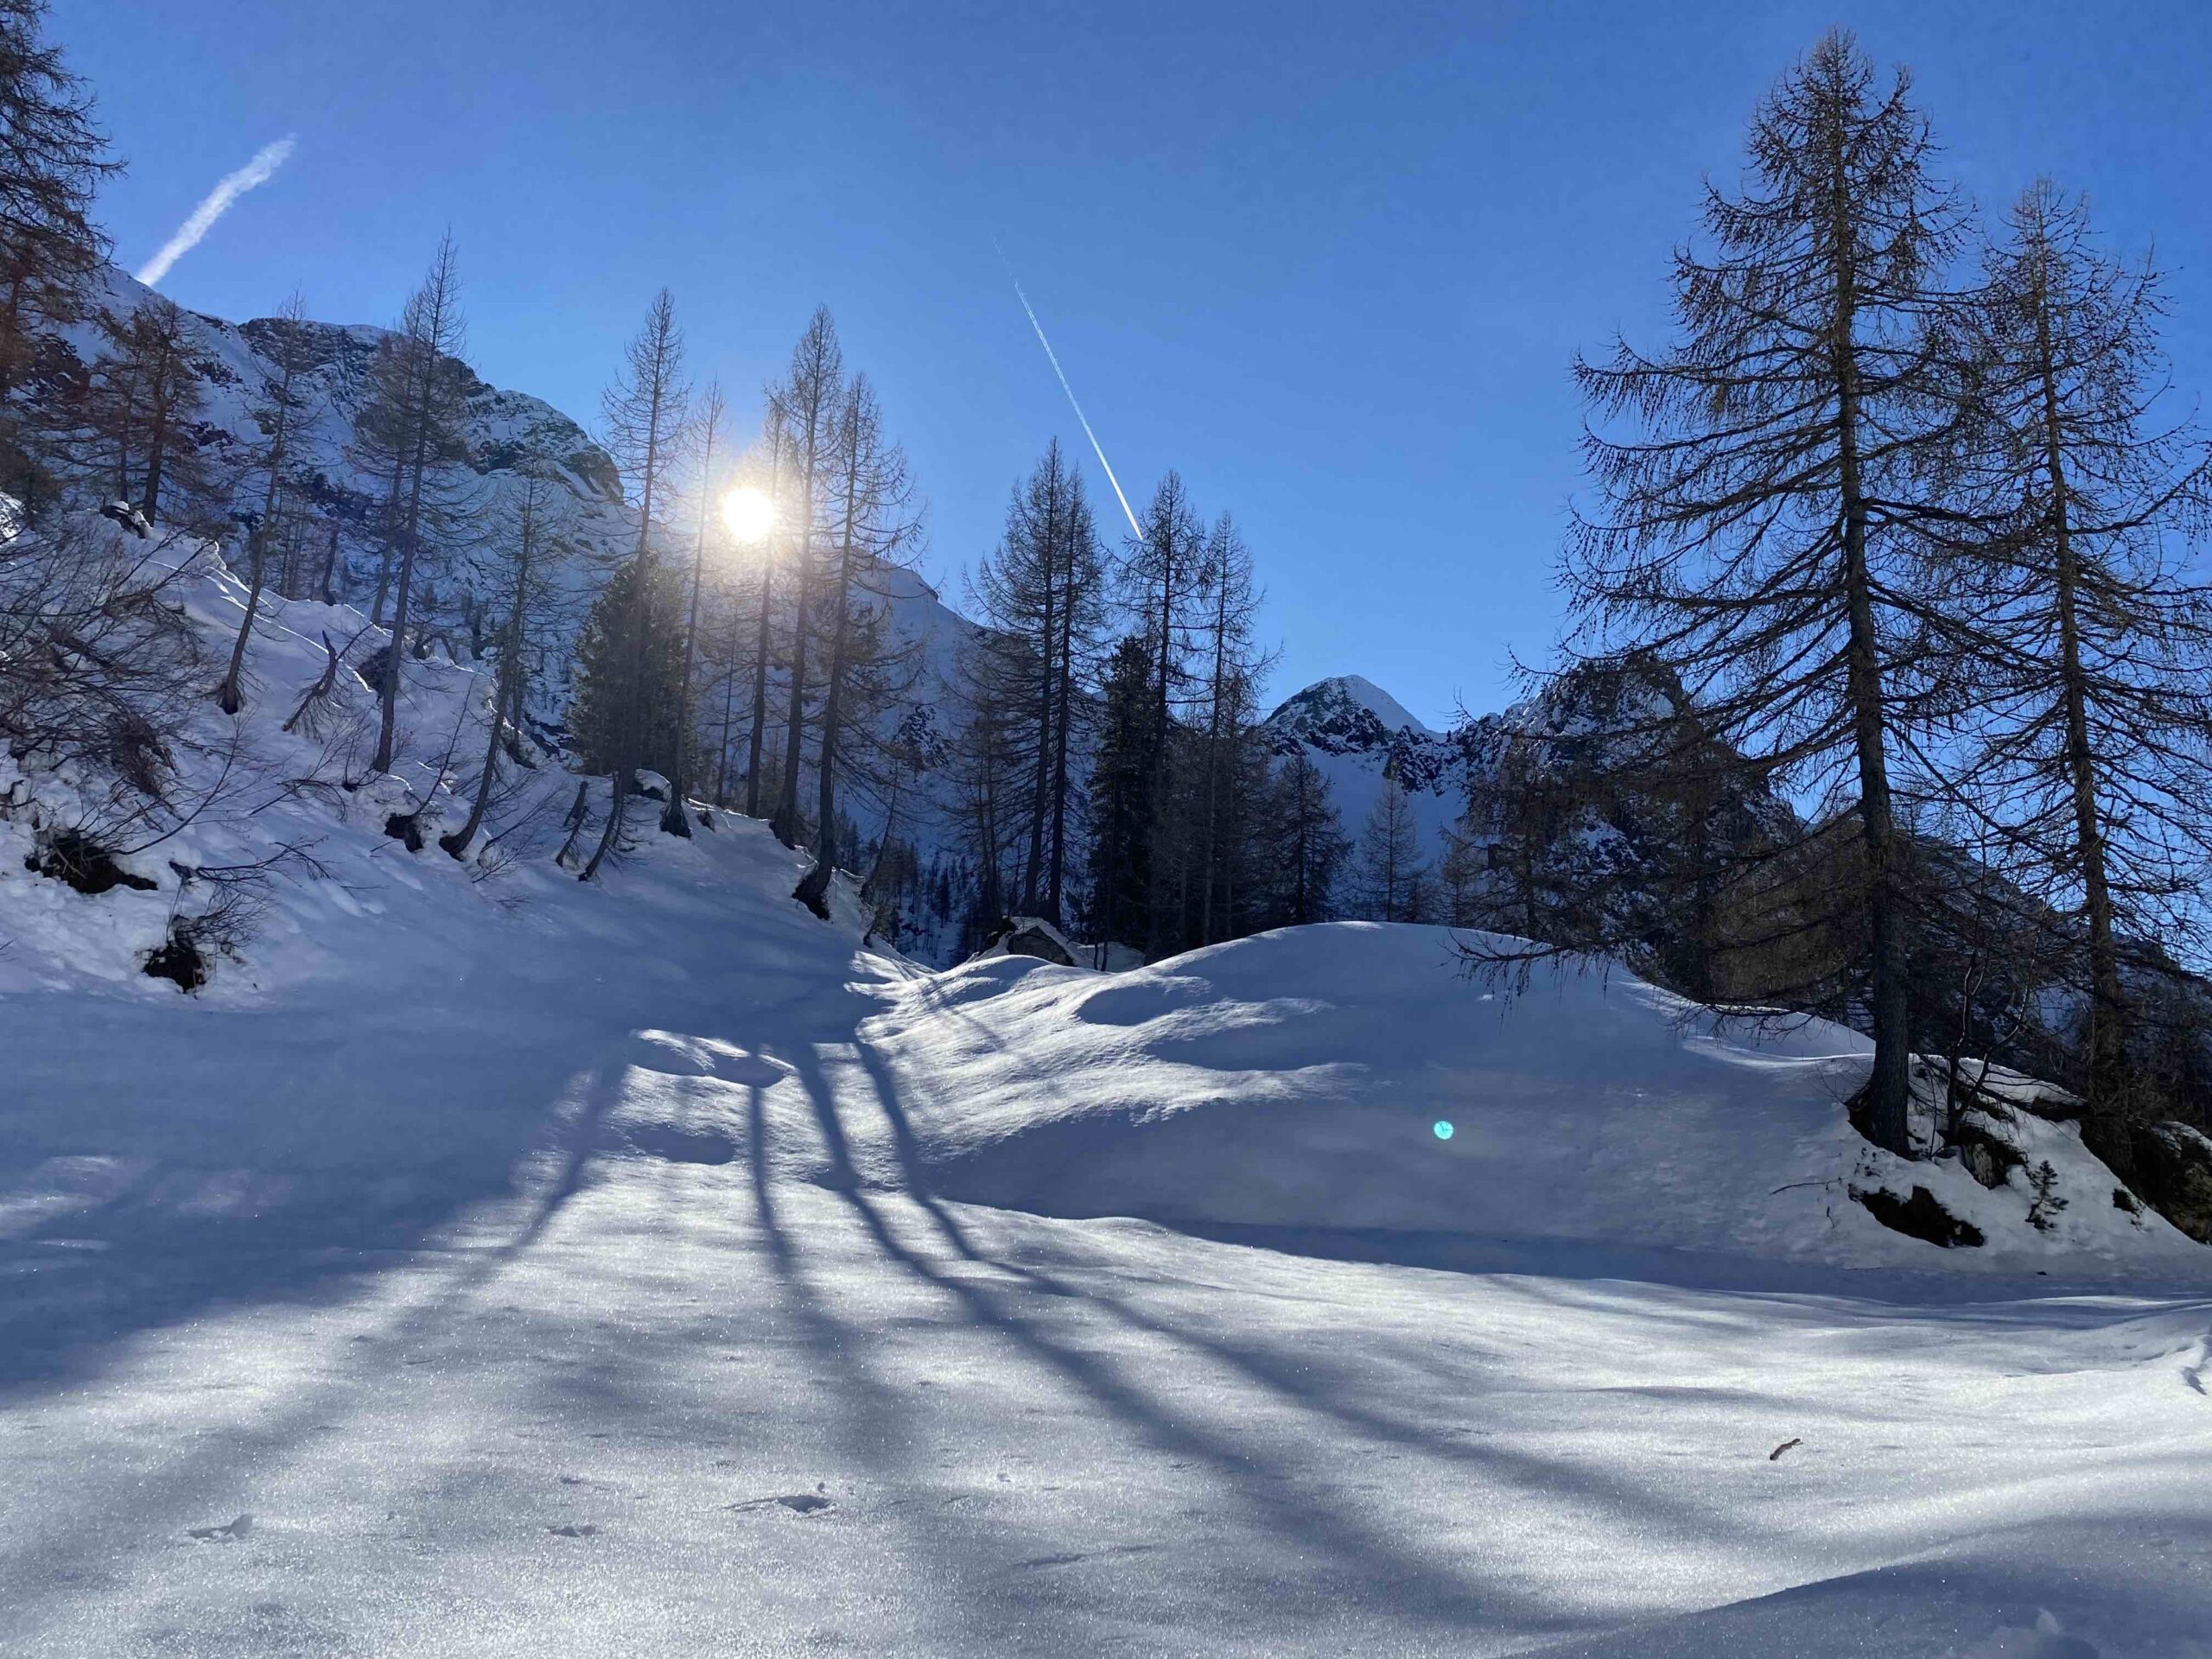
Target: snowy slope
501	429
485	1264
1296	1080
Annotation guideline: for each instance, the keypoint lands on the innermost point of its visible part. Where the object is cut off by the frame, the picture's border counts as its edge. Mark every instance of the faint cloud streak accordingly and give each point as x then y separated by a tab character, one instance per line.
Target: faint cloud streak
228	189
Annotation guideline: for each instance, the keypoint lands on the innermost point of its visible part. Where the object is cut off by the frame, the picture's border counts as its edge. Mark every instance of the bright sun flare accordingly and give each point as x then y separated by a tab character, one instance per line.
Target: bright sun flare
749	513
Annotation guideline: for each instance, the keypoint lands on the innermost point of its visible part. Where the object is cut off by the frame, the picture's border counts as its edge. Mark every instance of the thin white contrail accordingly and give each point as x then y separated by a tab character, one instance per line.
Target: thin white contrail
227	190
1052	357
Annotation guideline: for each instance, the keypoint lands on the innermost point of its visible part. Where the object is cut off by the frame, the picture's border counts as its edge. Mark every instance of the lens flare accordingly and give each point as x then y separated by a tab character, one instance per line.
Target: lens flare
1442	1128
749	513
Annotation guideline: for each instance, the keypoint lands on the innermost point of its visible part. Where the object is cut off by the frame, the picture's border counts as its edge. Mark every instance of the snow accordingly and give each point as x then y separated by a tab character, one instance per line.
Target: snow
1351	729
488	1263
1291	1081
1366	694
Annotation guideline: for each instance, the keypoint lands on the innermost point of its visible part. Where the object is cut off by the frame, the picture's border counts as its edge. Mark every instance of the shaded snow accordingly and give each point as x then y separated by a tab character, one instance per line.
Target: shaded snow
513	1267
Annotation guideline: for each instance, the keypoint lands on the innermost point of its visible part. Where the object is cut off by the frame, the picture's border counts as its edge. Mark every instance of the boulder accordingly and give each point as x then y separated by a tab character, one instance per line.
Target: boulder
1028	936
2173	1173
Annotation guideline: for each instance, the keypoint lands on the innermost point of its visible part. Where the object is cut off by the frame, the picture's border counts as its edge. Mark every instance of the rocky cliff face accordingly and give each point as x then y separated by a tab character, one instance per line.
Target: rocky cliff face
503	431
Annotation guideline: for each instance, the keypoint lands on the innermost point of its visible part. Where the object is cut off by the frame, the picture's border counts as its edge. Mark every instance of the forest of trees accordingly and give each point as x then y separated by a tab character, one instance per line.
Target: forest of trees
1886	693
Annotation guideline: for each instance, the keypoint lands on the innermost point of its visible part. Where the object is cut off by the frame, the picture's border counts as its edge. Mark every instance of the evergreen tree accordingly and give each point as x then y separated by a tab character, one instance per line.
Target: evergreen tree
645	410
2092	743
1762	536
1309	845
629	669
1121	781
1041	595
51	165
1391	878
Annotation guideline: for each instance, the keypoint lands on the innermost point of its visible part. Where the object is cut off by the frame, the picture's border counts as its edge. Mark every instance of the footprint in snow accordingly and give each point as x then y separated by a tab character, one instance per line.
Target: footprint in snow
229	1533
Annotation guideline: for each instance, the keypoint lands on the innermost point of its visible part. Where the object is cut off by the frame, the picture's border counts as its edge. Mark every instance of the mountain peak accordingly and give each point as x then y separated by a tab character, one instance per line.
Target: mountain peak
1343	702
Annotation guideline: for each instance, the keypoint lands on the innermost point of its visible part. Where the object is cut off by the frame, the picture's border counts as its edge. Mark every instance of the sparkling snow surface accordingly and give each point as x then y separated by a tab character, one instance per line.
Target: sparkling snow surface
520	1268
692	1385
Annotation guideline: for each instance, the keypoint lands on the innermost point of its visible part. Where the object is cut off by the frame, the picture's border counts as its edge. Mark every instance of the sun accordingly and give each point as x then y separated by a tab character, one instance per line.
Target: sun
749	513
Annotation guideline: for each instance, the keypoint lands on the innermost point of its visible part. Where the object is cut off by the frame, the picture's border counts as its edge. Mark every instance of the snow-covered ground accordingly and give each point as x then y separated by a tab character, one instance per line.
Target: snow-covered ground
510	1266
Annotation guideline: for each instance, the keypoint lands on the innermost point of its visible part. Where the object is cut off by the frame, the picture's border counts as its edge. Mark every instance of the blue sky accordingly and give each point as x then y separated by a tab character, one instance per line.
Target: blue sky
1330	262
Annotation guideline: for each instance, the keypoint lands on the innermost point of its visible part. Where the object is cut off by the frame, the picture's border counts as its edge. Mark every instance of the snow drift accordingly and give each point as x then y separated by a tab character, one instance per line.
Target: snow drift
1352	1076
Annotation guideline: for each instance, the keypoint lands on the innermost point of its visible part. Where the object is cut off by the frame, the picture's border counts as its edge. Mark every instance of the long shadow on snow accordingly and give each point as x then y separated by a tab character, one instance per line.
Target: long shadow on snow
1304	1383
1339	1544
219	1204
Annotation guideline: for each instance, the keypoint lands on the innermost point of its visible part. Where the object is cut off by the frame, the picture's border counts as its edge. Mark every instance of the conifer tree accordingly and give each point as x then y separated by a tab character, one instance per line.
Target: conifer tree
773	441
629	662
986	768
529	545
645	411
2092	750
869	513
1391	879
1041	593
806	403
1760	535
1232	665
1121	816
1164	574
277	418
147	394
676	818
1310	846
53	162
418	383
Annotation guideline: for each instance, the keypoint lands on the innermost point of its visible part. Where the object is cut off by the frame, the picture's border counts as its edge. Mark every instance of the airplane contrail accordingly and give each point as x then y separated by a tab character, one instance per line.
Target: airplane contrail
1052	357
217	202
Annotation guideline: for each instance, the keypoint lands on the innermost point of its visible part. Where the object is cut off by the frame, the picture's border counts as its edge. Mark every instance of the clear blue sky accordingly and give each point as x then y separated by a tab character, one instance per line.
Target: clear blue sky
1330	262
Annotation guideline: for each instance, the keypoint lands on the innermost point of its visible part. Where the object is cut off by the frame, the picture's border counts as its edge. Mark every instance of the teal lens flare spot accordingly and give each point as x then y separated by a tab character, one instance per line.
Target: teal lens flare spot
1443	1129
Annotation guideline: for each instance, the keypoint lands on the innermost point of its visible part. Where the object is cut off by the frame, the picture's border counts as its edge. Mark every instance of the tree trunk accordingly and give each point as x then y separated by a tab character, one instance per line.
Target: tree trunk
785	824
814	890
676	819
1033	870
2103	1131
1887	1111
457	844
760	648
1065	689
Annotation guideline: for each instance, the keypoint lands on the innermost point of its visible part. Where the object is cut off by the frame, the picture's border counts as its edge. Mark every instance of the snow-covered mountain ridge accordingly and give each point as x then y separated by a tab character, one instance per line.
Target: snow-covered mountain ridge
1352	723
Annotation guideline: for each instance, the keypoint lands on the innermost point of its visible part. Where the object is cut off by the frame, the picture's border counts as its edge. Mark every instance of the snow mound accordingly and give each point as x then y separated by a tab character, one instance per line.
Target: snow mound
1351	1077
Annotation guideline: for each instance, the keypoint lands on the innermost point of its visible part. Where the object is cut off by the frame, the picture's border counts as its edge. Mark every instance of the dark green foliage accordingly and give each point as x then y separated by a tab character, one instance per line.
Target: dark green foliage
1121	787
1304	846
606	708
